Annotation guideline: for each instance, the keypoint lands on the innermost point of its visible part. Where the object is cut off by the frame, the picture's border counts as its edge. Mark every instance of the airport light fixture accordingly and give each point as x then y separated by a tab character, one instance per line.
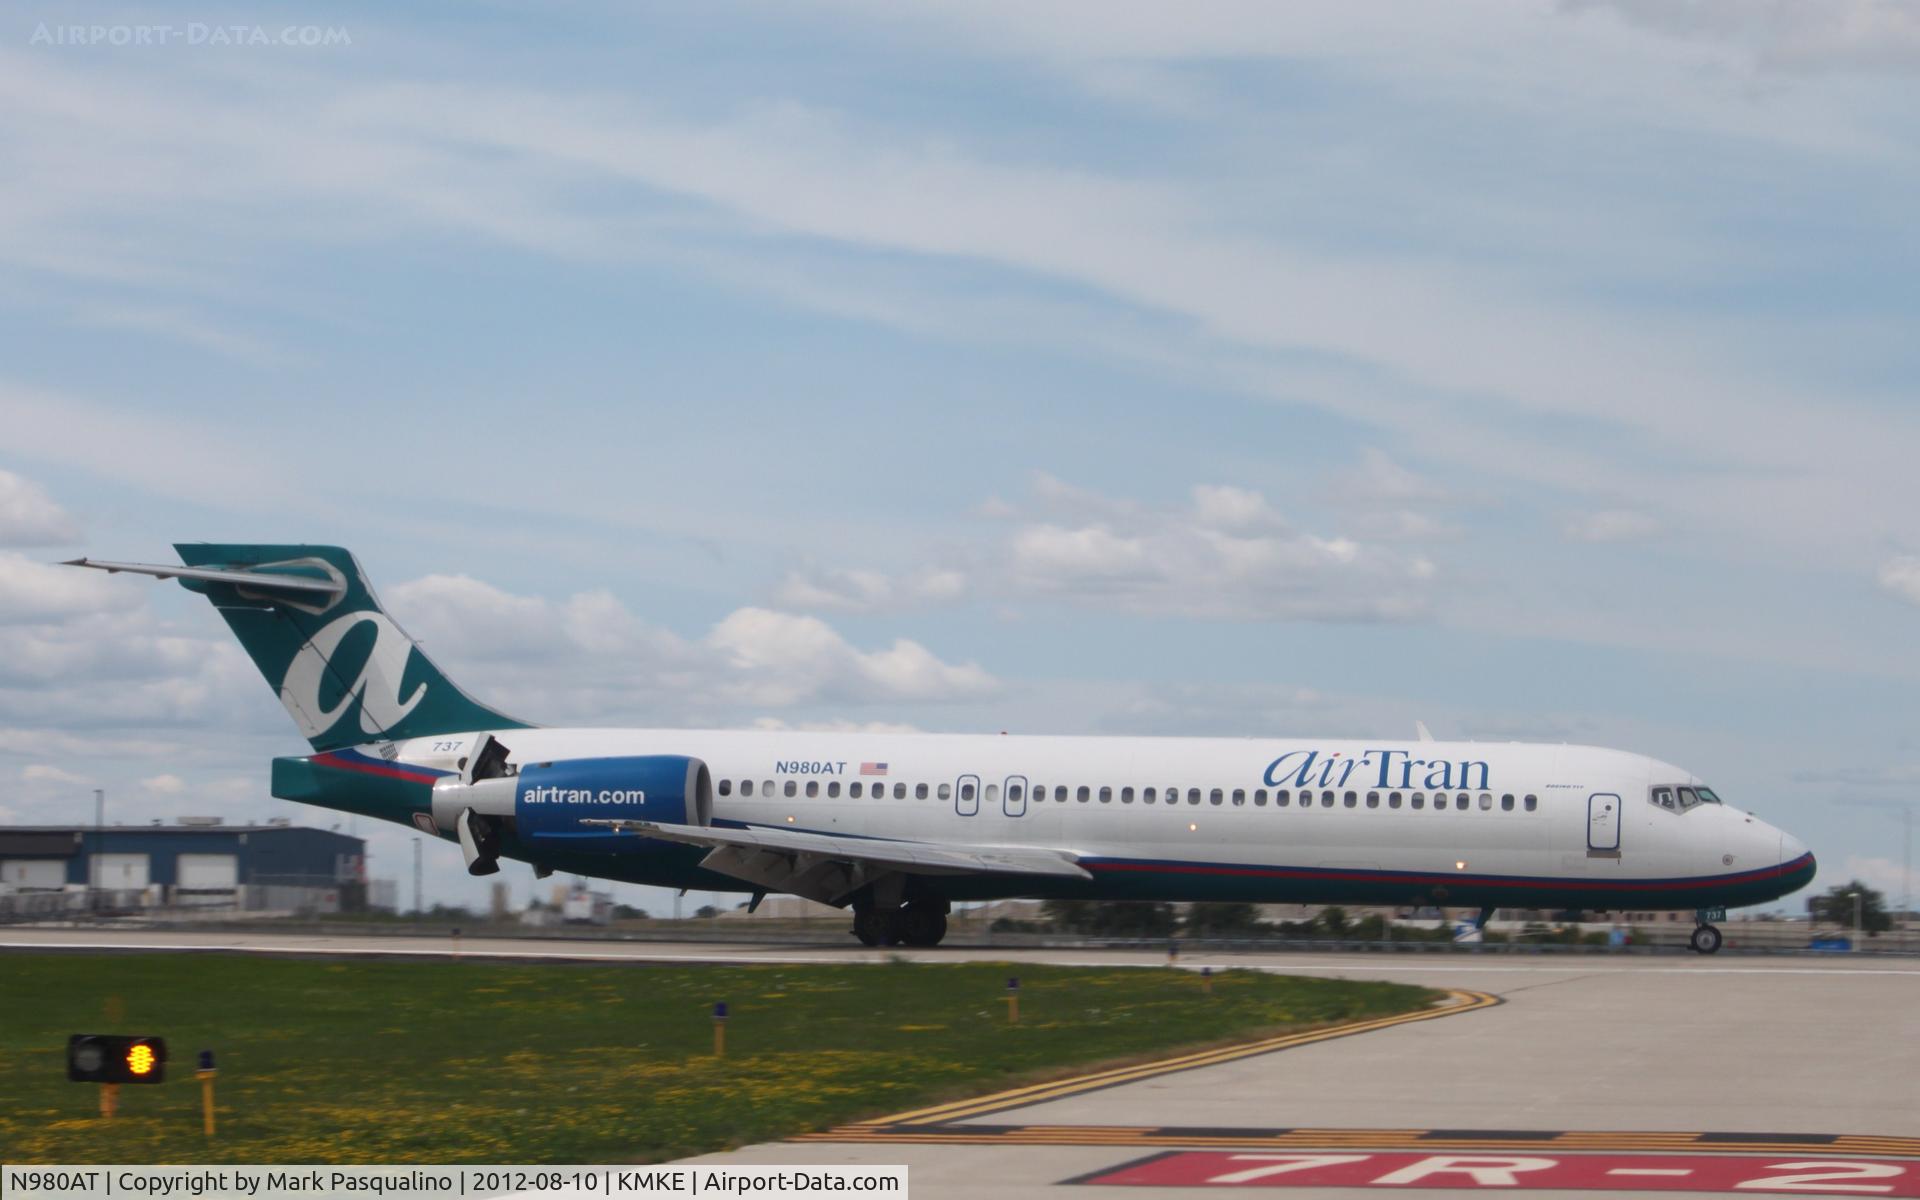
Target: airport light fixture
116	1058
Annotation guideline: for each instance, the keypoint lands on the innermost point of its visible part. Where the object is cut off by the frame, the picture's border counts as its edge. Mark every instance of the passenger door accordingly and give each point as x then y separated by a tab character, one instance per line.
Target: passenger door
1603	823
1014	798
966	795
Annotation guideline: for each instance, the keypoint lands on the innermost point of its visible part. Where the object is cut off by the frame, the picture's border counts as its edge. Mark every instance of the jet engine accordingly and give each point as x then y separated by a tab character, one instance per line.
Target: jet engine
543	803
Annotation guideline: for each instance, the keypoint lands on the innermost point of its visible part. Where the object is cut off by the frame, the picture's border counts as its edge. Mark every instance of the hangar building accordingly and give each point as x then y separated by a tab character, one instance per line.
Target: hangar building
198	860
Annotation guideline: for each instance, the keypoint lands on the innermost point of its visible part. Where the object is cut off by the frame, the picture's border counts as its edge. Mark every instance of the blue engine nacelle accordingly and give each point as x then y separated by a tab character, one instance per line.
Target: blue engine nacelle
545	803
551	799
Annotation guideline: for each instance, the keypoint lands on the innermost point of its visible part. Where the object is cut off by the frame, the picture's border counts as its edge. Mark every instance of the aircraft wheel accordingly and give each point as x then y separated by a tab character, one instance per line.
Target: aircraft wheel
1706	939
922	926
870	926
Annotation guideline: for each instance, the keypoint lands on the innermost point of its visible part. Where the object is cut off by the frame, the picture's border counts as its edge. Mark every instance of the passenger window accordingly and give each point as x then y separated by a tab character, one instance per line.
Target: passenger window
900	791
833	789
726	787
813	788
1352	799
1260	798
1506	802
746	787
854	789
1486	800
1532	803
1013	791
1282	798
1326	799
1373	799
966	791
1106	795
1419	800
1084	793
1039	792
792	789
993	793
1193	795
1239	796
1461	801
1215	796
1126	795
1393	799
1146	795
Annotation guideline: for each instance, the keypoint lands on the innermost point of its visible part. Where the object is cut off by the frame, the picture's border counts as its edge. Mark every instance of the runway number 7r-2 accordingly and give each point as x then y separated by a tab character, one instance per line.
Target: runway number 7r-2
1280	1164
1396	1170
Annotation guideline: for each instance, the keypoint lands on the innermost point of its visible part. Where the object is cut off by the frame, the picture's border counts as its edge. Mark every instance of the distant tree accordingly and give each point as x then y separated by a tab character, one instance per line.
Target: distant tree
1121	918
1333	921
1221	919
1836	907
627	912
706	910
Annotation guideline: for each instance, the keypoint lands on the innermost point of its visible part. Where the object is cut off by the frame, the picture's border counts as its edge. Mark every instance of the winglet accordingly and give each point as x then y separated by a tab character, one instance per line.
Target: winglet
1420	728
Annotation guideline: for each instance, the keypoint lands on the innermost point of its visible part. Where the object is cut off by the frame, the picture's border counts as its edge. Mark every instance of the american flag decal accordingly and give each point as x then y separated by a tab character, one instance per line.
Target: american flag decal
873	768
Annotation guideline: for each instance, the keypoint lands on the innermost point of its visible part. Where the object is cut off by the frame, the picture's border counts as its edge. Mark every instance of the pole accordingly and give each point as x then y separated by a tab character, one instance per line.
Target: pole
1906	875
99	836
418	908
1013	1000
720	1029
109	1100
205	1075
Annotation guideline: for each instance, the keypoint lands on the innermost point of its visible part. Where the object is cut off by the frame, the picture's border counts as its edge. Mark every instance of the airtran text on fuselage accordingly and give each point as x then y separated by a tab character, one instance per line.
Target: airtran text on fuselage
560	795
1374	768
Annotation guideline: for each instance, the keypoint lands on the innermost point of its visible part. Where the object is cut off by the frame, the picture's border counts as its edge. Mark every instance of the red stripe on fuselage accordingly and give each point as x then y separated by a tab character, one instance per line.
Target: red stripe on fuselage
333	758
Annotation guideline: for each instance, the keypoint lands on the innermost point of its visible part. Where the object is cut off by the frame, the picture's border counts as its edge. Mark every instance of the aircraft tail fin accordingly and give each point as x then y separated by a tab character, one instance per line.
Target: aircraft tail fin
307	616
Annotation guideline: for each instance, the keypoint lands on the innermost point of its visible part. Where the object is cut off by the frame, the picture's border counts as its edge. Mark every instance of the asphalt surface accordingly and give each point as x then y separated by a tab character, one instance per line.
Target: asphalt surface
1774	1060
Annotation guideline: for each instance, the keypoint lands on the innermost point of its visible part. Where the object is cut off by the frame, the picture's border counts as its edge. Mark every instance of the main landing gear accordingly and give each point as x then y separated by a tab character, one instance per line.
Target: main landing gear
915	923
1706	939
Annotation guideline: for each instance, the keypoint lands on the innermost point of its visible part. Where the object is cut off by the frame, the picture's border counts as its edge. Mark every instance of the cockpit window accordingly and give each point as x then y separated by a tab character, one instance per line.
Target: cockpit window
1663	798
1707	796
1687	798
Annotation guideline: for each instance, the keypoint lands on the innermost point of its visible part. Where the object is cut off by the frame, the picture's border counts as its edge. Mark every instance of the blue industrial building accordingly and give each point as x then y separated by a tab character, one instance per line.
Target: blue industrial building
198	860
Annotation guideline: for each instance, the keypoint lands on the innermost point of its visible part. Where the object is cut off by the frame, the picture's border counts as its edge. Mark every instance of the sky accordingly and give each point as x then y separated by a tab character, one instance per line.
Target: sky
1538	370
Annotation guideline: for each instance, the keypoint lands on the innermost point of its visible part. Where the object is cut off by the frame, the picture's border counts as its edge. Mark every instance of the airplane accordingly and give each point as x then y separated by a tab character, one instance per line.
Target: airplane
898	827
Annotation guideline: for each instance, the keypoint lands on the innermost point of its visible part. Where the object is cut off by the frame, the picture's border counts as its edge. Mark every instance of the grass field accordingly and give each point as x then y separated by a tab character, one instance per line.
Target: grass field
510	1063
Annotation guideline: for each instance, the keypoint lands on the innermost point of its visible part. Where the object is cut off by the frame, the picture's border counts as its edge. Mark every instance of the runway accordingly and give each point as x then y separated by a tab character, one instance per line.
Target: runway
1590	1073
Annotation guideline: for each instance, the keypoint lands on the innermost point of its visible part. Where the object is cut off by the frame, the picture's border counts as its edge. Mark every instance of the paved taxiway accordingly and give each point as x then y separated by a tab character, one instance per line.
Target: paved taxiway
1658	1048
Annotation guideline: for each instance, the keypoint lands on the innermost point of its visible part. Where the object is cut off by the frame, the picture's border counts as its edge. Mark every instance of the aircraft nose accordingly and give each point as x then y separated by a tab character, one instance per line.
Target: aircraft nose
1791	848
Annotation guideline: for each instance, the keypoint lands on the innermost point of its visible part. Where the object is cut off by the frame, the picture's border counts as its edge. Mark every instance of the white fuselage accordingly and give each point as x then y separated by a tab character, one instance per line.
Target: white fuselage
1194	818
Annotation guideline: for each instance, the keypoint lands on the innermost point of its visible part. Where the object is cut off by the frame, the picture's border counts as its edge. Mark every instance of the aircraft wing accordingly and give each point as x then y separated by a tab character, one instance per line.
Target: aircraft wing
825	868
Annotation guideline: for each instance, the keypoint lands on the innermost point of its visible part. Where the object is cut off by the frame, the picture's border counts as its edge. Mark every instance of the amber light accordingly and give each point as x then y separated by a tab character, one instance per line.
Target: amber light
140	1059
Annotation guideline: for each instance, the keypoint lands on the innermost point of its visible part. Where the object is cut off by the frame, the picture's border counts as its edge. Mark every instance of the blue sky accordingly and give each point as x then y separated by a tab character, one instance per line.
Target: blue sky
1536	370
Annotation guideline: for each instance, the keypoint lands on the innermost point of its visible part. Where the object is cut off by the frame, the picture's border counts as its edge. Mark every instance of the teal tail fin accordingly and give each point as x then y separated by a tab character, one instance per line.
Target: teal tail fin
307	616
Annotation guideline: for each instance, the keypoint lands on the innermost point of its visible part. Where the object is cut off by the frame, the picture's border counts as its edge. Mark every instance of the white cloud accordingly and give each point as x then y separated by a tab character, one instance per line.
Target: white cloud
1884	875
32	591
1227	553
866	590
43	773
164	784
29	517
589	658
1901	577
1610	525
1832	35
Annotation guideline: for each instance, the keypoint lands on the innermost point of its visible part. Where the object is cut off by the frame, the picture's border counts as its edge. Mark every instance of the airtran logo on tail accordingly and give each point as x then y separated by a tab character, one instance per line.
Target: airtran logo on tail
376	686
1374	768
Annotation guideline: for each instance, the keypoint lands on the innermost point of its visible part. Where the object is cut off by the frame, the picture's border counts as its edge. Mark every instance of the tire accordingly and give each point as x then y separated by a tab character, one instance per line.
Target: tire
1705	940
922	926
870	926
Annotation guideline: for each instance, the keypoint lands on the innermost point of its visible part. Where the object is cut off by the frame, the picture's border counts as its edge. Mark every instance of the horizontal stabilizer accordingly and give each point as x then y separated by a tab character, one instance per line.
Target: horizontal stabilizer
258	581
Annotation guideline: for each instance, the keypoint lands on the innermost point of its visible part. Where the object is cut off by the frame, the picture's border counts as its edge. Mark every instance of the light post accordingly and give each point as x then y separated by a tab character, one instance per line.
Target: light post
1856	914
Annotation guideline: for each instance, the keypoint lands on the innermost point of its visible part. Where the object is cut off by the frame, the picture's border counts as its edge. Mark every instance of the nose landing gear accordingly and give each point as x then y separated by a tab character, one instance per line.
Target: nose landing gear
1706	938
